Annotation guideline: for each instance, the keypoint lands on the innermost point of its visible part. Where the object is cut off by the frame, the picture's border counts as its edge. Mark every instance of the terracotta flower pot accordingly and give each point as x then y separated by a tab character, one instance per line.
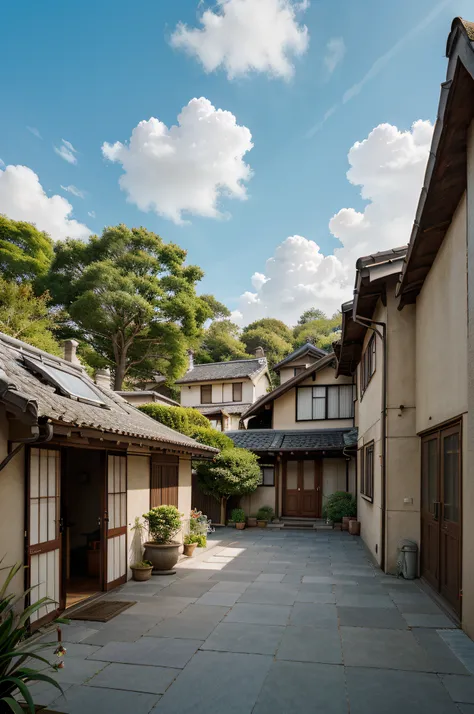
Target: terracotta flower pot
262	524
251	521
164	556
240	526
141	574
189	548
354	527
345	523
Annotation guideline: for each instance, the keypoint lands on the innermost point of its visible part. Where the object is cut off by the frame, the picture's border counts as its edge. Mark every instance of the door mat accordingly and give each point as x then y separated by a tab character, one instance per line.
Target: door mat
101	611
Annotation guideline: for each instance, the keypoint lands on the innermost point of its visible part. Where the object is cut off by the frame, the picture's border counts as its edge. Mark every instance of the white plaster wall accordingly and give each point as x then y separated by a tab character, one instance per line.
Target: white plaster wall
261	387
138	501
12	505
221	392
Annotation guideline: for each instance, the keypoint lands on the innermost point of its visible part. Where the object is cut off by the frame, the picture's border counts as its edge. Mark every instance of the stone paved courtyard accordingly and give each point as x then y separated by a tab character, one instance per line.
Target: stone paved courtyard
269	622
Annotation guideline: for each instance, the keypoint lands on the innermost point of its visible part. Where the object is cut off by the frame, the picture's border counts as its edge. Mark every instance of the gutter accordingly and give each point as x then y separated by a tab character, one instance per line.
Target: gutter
383	336
41	433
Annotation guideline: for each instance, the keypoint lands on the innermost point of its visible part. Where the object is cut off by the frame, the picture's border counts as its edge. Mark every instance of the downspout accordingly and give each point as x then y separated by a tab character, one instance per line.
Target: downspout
42	434
383	336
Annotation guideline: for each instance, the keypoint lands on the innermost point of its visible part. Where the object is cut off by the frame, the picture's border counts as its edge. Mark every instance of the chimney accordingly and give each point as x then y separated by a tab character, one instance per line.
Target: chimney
102	378
70	347
259	352
190	360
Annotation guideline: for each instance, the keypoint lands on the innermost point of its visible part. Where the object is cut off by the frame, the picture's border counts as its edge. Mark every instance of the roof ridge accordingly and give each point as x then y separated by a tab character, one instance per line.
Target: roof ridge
226	361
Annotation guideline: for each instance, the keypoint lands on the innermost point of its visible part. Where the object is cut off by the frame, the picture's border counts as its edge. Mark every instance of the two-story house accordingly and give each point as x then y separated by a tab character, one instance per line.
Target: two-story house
303	433
223	391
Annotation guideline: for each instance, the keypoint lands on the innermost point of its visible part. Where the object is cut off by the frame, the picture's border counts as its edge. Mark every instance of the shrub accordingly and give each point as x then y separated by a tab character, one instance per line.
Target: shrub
182	419
340	504
142	564
233	472
199	523
265	513
211	437
238	515
201	540
163	523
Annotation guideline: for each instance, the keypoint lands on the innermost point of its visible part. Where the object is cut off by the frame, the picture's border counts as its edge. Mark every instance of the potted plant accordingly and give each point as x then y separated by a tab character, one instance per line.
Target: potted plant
252	521
199	527
354	526
142	570
163	523
238	516
340	508
264	515
191	542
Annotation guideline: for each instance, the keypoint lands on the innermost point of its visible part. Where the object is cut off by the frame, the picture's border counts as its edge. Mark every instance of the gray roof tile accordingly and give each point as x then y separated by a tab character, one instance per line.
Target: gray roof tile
291	440
234	369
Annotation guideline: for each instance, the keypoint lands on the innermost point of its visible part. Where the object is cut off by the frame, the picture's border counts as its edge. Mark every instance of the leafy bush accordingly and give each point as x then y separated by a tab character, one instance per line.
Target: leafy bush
142	564
199	523
15	654
238	515
233	472
340	504
201	540
163	523
265	513
182	419
211	437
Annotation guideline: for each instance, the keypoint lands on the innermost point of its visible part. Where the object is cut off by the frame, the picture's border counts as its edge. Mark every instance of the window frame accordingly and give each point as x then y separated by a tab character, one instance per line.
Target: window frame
206	386
368	364
47	372
234	385
267	466
326	387
367	479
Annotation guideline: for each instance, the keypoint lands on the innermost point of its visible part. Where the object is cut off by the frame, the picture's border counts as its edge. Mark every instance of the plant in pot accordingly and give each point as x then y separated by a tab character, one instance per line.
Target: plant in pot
252	521
163	523
341	507
265	514
142	570
191	542
238	516
199	527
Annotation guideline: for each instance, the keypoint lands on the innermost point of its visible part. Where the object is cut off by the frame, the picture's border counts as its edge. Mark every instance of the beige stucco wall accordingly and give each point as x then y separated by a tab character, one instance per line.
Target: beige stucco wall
334	476
262	496
288	371
138	501
184	492
12	507
221	392
261	386
284	407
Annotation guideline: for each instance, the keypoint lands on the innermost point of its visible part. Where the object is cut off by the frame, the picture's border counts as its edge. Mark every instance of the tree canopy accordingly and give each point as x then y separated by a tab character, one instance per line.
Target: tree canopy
221	343
233	472
131	298
26	317
25	252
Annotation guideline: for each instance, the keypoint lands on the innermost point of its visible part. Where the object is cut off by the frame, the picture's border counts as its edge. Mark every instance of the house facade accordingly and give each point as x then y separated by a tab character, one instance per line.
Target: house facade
77	465
303	433
223	391
411	348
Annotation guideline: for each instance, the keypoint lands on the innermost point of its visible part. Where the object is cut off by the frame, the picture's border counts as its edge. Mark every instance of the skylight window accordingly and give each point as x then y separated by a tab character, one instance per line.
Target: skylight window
68	384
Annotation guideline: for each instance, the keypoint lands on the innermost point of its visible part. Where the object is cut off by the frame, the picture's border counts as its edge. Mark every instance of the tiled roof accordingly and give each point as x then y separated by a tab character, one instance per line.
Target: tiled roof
308	348
230	408
118	418
292	440
234	369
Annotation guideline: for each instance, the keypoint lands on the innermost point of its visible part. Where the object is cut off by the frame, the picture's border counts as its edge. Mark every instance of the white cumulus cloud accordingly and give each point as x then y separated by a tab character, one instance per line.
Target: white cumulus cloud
185	168
247	35
33	130
388	166
66	151
74	190
23	198
335	51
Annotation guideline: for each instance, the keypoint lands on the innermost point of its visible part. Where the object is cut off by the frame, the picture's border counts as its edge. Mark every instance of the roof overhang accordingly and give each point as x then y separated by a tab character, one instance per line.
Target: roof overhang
446	172
301	352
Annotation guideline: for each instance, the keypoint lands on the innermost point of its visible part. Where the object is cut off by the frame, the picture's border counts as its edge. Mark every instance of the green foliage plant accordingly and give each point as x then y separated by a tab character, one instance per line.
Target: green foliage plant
27	317
265	513
340	504
16	672
182	419
163	523
200	539
142	565
238	515
25	252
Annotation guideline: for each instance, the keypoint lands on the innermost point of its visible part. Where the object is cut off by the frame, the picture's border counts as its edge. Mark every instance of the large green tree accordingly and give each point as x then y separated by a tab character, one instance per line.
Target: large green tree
221	342
132	299
321	331
273	335
26	316
25	252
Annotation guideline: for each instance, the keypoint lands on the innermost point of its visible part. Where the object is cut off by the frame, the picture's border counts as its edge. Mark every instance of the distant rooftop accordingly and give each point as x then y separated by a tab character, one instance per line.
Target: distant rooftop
234	369
308	348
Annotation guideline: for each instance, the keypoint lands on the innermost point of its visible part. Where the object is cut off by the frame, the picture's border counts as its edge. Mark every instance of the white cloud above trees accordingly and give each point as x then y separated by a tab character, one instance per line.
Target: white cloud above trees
388	166
187	168
335	51
66	151
243	36
23	198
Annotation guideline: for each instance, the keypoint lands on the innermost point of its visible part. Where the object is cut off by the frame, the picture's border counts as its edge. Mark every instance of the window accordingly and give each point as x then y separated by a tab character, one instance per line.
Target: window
206	394
367	472
326	402
267	476
298	370
67	383
367	365
237	392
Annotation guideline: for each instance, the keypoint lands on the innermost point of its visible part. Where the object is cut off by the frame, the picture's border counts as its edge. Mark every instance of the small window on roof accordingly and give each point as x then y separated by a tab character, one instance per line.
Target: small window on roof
68	384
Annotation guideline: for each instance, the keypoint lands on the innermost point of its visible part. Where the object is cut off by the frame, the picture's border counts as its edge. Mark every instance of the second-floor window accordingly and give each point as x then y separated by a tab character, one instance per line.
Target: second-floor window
237	392
324	402
206	394
367	365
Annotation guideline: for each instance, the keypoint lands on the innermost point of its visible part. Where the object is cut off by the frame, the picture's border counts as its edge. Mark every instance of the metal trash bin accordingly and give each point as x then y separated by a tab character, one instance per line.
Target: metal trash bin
407	559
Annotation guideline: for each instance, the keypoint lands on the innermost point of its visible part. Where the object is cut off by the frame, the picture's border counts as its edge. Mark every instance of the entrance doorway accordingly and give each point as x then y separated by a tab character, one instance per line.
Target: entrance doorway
81	511
302	488
441	469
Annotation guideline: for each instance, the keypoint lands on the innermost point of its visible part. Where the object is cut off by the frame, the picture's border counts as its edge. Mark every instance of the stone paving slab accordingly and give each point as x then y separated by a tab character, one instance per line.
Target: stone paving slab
165	652
91	700
461	689
383	617
314	615
245	638
259	614
442	659
305	644
390	649
421	620
135	678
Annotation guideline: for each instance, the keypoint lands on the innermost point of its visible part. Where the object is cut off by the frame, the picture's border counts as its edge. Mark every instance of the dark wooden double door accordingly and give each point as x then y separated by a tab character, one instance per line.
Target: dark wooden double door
302	488
441	505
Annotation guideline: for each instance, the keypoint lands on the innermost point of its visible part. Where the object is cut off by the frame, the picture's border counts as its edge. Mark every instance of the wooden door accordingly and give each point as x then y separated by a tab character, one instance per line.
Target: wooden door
450	530
302	496
164	481
430	509
43	532
115	522
292	489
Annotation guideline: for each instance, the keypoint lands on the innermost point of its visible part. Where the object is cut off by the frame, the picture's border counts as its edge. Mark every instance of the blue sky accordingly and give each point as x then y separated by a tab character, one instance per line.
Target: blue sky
89	72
